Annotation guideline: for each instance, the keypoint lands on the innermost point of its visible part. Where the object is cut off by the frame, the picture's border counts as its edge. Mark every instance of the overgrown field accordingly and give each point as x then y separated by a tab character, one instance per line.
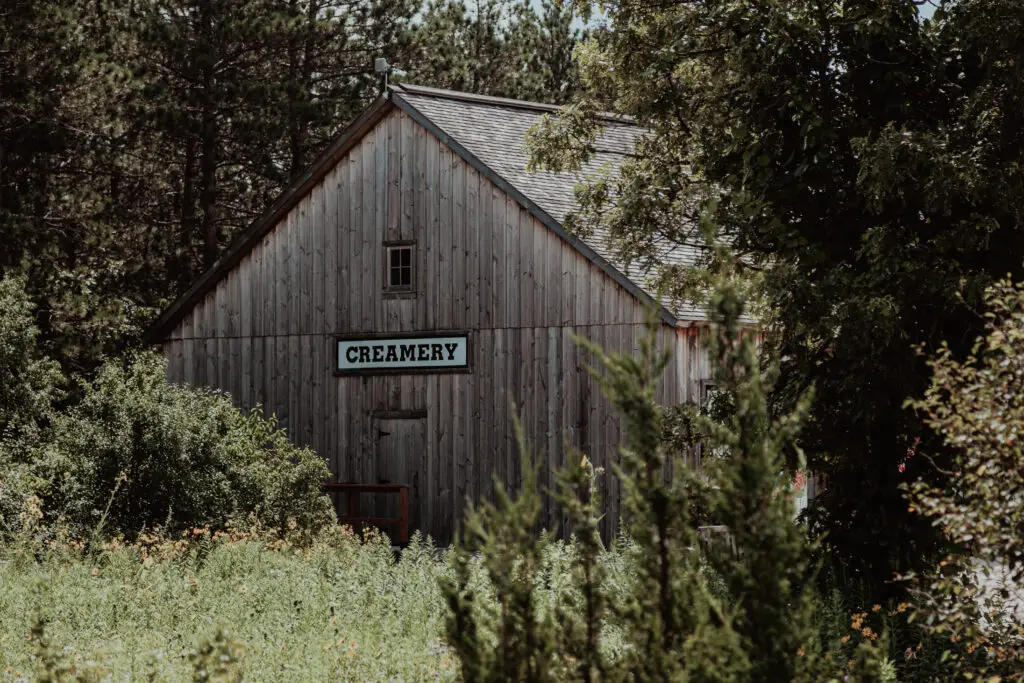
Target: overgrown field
343	610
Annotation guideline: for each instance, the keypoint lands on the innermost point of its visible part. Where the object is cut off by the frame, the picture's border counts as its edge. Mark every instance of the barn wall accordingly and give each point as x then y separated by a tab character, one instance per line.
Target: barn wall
483	263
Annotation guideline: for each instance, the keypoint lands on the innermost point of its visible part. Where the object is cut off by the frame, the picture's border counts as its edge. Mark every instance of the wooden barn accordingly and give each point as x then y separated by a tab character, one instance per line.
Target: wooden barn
412	288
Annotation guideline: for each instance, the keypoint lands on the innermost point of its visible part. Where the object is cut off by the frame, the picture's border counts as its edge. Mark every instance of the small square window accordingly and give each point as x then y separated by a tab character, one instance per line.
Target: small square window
399	268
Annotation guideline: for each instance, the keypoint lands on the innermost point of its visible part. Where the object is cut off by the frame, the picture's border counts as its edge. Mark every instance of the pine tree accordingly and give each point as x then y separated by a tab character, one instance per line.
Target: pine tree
547	41
61	179
497	47
325	76
676	627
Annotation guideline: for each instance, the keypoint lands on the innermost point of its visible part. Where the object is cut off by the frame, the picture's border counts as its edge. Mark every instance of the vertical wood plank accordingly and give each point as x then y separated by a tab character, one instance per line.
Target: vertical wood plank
246	360
407	172
311	355
295	283
567	278
343	249
380	205
281	295
282	372
329	256
486	233
459	251
327	402
354	278
268	286
343	418
419	226
446	445
256	291
552	281
500	454
512	279
371	260
430	457
294	380
210	310
269	375
553	409
527	282
497	229
443	285
394	174
473	257
430	234
581	290
316	323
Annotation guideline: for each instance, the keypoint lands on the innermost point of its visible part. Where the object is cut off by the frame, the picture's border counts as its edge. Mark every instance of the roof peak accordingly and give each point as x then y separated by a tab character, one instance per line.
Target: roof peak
496	101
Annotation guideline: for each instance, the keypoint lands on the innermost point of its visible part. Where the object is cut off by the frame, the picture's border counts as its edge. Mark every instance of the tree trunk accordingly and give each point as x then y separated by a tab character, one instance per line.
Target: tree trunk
210	139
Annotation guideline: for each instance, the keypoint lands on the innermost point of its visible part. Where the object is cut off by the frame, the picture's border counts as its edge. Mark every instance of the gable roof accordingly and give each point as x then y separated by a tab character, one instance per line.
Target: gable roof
494	130
488	133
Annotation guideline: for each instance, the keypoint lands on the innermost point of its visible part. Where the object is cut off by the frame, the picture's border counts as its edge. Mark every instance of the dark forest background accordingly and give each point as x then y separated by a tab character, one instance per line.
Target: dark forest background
138	137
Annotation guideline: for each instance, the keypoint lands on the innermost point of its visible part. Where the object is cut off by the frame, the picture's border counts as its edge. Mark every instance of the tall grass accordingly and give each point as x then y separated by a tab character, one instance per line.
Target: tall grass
340	610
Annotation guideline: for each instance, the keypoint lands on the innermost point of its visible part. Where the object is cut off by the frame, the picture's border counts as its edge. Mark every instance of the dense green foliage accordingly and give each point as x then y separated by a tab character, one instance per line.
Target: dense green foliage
864	162
139	453
977	406
741	609
498	47
133	453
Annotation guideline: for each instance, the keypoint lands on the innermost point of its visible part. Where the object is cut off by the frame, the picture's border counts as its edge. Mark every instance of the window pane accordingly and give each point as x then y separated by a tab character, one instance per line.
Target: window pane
399	267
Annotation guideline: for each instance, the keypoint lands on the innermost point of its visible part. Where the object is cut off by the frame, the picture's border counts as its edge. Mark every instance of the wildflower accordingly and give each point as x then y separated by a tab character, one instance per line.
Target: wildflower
876	608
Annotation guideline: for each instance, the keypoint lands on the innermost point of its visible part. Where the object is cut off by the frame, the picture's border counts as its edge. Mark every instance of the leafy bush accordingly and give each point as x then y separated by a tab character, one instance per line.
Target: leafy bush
28	383
975	599
138	453
29	386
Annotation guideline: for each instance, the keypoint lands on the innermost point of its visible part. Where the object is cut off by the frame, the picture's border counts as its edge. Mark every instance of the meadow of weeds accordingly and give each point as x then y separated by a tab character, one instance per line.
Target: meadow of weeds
340	608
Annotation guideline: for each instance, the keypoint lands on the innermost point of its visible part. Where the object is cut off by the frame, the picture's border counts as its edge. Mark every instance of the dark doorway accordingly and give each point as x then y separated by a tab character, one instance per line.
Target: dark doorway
401	452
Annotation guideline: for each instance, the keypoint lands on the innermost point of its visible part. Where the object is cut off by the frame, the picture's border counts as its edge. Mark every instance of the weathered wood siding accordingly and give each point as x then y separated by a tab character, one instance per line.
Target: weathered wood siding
483	264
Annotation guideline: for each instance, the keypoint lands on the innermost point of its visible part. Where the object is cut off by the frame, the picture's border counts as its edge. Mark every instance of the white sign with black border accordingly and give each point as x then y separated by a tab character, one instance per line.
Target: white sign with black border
420	353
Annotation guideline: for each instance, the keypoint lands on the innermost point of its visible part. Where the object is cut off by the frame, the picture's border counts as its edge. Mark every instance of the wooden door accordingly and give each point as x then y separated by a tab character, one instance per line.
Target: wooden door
401	450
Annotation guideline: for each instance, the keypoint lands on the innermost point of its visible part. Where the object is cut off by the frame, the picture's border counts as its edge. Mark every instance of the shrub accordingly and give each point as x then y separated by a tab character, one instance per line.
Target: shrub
29	386
28	383
974	600
739	612
138	453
